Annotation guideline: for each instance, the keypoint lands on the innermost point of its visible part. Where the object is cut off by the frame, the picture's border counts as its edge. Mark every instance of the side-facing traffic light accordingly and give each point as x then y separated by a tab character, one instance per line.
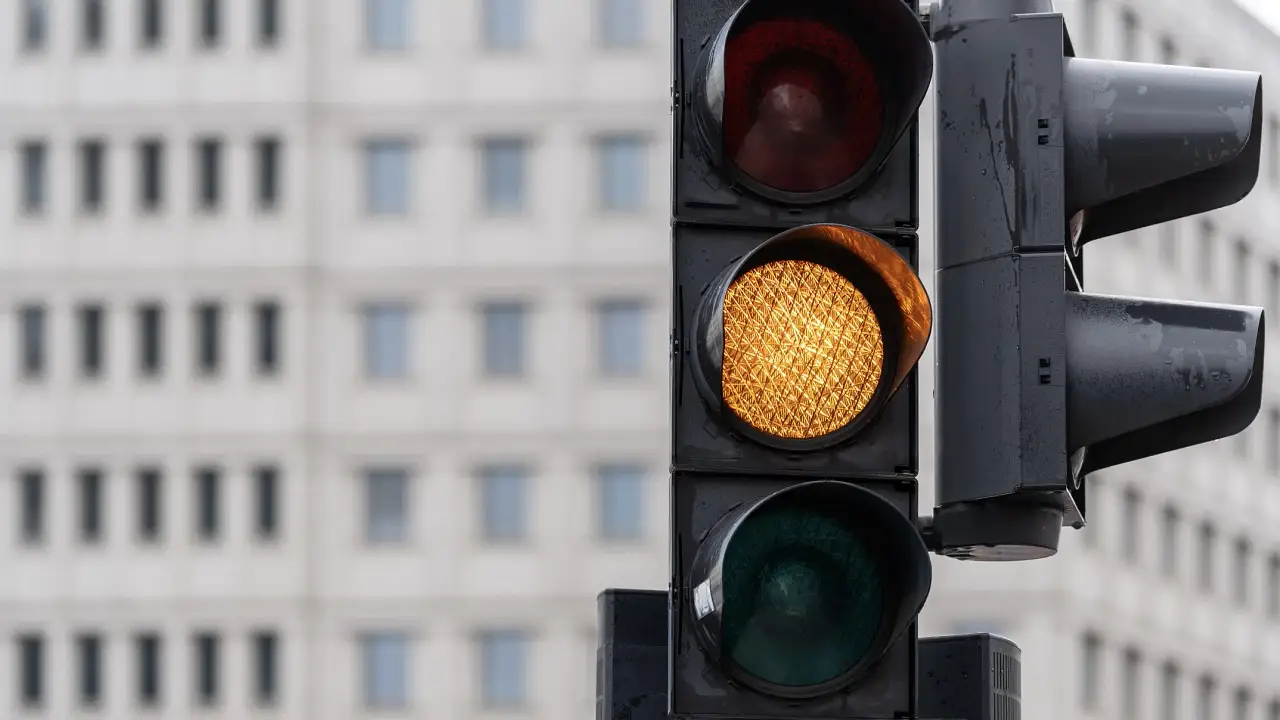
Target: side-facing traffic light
1040	383
797	567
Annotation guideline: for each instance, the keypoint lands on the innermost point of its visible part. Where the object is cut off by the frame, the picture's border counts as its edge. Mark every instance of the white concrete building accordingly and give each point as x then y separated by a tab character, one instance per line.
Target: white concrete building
335	381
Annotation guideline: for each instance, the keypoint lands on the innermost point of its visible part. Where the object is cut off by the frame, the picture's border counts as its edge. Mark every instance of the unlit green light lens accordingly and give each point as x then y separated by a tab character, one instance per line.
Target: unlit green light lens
803	599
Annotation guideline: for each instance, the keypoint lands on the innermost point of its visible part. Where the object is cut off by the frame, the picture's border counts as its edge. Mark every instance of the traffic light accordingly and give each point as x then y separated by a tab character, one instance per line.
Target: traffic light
1040	383
798	317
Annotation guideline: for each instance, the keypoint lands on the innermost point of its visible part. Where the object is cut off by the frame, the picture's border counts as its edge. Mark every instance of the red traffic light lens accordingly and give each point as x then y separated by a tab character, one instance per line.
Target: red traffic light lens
803	108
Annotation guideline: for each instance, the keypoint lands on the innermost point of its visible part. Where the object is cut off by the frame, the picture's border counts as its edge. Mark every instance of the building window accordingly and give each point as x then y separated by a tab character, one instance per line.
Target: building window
149	504
266	674
1168	238
32	339
89	650
386	341
208	337
387	176
35	25
1273	159
1273	281
1169	680
1206	697
266	516
267	151
207	650
31	670
1243	263
504	503
503	170
1168	52
504	331
503	668
1129	38
386	25
1206	252
622	172
151	32
621	23
268	23
150	338
1243	556
1273	585
90	481
266	321
147	646
31	505
1132	526
208	504
386	671
1090	671
1207	538
621	337
209	173
1169	527
504	24
92	25
1273	713
210	32
151	172
35	176
92	318
1131	683
1243	704
386	505
93	160
621	490
1273	435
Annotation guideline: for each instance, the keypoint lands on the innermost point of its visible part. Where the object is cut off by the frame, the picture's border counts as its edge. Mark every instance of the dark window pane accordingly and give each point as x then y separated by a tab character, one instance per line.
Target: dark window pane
92	352
268	22
150	338
149	504
35	24
151	172
32	505
32	339
89	649
152	23
267	493
207	648
91	482
148	647
31	670
268	153
93	24
34	181
208	326
267	337
208	492
93	155
210	22
209	180
266	649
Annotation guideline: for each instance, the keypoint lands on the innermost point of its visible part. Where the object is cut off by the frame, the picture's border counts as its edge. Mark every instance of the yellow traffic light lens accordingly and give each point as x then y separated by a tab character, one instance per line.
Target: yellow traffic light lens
803	350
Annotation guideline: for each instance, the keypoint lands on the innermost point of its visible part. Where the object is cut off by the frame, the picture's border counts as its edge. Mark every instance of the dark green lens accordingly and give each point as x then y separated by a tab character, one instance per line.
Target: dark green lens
802	596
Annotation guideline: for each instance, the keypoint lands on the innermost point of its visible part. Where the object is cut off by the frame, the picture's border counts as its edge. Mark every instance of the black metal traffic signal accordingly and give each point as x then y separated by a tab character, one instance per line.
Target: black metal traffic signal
797	566
1040	383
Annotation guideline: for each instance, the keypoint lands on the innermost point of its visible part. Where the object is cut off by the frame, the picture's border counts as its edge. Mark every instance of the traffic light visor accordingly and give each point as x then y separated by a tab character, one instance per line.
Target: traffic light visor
813	584
801	101
802	340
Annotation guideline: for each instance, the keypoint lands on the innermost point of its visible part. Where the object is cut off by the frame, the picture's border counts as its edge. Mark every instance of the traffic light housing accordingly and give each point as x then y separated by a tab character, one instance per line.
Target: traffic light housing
798	317
1040	383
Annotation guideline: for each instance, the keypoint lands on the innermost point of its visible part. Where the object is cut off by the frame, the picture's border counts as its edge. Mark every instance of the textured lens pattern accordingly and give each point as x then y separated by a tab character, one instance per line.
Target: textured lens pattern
803	598
803	351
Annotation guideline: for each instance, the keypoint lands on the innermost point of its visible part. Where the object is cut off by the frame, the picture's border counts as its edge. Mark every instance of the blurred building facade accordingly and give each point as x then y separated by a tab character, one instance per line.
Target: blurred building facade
336	375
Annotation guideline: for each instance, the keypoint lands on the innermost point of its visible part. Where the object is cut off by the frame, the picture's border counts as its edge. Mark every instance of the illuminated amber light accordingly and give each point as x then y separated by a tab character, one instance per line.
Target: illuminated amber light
803	351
